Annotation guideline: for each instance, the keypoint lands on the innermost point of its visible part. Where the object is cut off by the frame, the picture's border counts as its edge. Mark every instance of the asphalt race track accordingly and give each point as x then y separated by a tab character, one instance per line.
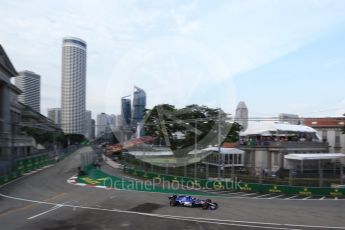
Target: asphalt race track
44	200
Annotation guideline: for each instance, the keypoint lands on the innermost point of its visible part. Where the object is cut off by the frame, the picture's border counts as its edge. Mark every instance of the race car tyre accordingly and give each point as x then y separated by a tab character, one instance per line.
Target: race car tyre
214	206
173	203
205	206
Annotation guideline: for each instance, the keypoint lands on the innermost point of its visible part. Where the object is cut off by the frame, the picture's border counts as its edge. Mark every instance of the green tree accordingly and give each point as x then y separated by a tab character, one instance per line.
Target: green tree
234	133
74	138
163	121
42	136
158	122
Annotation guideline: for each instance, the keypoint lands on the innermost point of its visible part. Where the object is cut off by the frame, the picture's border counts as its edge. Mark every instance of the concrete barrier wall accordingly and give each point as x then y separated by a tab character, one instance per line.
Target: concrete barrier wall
28	164
25	166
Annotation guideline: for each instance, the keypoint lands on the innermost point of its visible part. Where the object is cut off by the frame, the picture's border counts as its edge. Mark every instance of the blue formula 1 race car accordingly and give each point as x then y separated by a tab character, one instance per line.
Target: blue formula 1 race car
188	201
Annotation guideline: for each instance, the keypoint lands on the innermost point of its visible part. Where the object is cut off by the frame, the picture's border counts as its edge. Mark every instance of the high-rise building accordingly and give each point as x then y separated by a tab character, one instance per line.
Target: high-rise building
88	118
73	87
241	115
103	123
112	121
139	104
93	129
118	122
126	111
14	144
54	114
30	85
291	118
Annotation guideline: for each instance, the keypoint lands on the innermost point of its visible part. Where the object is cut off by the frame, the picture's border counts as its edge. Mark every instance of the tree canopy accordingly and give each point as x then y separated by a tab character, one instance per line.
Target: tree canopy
44	137
192	122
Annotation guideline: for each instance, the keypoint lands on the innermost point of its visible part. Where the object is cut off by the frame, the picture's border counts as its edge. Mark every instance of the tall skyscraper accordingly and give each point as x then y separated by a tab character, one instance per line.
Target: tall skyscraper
88	118
118	122
112	121
241	115
139	104
103	124
73	87
54	114
126	111
93	129
30	83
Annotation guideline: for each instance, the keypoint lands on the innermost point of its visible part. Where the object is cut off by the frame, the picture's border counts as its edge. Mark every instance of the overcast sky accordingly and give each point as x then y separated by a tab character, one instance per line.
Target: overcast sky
277	56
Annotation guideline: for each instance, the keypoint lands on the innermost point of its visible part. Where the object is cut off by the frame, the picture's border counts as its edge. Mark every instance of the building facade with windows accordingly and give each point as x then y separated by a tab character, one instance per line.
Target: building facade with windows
103	124
241	115
267	142
126	111
139	105
54	114
88	125
93	129
12	143
290	118
30	85
73	87
330	131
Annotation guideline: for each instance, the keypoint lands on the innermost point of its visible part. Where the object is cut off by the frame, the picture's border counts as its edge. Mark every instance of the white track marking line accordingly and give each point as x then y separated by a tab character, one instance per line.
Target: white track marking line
276	196
42	213
200	195
237	193
219	192
244	195
258	197
308	197
131	178
322	198
230	224
192	219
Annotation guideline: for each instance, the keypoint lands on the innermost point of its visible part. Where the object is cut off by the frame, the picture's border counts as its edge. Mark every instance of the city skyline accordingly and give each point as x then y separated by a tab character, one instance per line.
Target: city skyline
247	60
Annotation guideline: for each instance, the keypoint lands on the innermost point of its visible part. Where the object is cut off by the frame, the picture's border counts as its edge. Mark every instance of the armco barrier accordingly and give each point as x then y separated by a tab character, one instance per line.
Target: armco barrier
242	186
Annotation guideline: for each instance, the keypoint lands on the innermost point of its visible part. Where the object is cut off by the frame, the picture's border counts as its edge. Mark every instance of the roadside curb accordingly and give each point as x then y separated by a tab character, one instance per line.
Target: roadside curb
73	181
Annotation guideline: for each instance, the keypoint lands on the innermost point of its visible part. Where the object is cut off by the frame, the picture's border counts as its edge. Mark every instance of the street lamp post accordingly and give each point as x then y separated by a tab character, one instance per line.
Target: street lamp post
341	164
195	148
219	142
196	144
341	173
